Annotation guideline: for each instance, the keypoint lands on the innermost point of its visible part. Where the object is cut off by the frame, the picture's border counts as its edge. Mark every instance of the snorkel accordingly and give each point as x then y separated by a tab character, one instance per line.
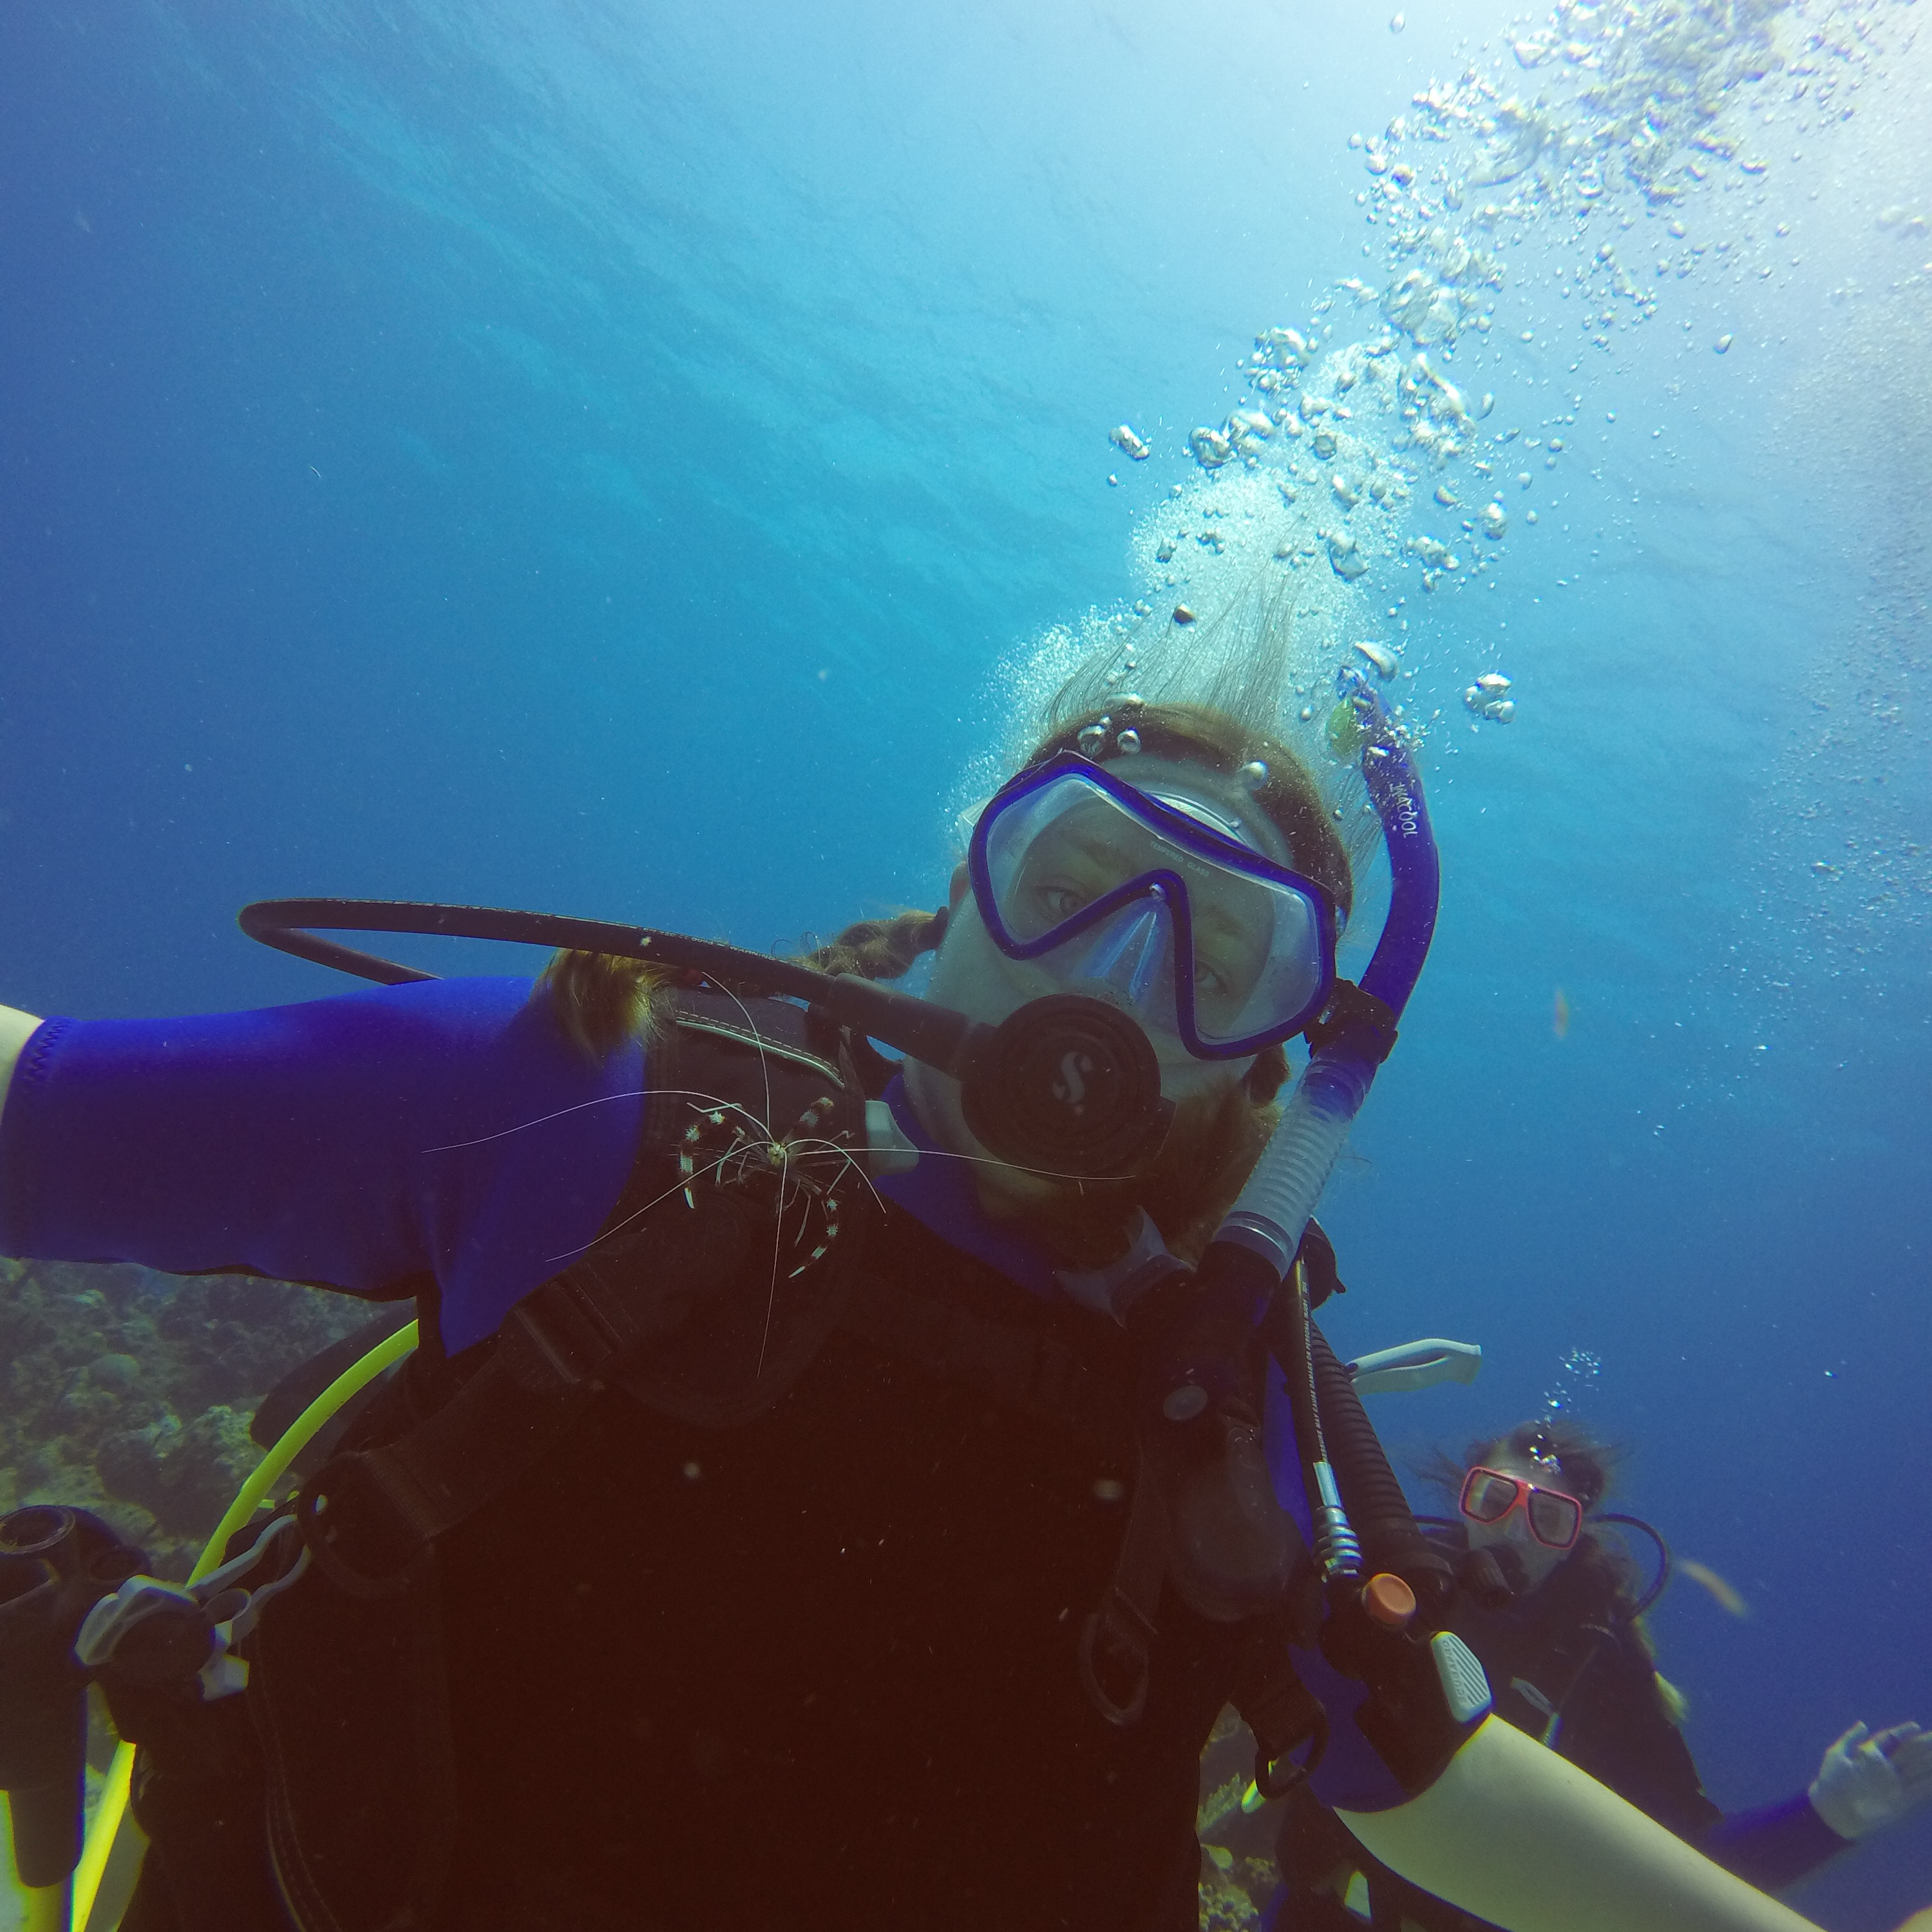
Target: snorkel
1232	1546
1354	1037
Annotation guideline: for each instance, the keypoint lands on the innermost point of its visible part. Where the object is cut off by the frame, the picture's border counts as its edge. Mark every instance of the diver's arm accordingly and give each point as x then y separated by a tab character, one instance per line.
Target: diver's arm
17	1028
446	1127
1515	1834
1772	1846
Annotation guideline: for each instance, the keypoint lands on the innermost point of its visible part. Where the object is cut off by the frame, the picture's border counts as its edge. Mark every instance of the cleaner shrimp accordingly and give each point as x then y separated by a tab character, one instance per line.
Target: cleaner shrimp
734	1145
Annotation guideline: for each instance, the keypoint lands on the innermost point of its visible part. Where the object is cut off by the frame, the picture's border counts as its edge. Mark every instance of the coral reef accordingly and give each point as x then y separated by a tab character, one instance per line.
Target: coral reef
130	1392
1238	1877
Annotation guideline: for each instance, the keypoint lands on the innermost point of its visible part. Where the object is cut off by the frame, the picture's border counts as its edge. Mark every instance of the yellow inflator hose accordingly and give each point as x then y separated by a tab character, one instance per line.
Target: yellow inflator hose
47	1907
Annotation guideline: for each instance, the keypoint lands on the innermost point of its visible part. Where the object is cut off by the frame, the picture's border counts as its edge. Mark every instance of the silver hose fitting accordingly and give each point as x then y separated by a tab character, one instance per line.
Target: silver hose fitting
1336	1548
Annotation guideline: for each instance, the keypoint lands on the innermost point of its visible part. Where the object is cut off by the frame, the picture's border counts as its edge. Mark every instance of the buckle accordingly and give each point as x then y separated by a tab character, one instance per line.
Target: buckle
1113	1640
560	1339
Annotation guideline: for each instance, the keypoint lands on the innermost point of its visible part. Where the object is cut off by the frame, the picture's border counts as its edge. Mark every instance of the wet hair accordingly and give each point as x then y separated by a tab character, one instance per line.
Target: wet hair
1227	686
881	949
600	1001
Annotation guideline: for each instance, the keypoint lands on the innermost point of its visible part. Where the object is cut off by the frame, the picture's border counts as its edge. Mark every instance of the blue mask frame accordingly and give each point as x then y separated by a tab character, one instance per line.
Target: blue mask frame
1178	829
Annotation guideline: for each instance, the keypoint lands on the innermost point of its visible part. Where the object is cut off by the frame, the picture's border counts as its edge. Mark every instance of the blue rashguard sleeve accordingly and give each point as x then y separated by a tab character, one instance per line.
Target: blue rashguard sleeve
1774	1845
446	1126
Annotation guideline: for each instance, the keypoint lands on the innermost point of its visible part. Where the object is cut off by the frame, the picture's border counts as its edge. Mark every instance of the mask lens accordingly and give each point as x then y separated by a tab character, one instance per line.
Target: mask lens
1488	1497
1260	944
1071	849
1257	961
1555	1519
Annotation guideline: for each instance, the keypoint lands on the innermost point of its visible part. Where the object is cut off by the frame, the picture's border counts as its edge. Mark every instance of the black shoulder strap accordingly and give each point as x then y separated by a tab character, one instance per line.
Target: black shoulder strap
1116	1642
1559	1670
371	1516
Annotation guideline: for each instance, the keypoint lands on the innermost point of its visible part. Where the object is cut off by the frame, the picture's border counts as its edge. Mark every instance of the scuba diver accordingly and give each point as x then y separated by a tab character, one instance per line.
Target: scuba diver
826	1491
1552	1606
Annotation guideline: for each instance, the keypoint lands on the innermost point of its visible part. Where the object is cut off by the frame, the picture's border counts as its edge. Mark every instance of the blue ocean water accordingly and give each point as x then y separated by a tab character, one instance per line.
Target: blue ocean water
625	460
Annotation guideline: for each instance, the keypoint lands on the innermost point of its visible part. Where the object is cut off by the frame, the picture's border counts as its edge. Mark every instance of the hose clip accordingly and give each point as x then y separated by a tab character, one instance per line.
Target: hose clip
152	1632
1368	1024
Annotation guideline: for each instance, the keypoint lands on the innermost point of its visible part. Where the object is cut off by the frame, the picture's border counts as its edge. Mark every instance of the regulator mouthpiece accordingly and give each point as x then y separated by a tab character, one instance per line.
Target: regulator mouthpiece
1068	1084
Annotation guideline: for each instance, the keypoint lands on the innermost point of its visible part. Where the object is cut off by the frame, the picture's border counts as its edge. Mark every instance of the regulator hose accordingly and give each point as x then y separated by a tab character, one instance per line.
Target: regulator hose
1382	1519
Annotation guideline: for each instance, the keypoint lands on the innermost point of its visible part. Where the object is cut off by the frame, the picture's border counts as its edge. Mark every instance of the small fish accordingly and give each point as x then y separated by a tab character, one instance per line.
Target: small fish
1560	1018
1723	1591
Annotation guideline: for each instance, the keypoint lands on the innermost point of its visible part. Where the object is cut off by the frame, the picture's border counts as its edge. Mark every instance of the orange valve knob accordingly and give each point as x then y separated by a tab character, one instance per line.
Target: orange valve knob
1389	1601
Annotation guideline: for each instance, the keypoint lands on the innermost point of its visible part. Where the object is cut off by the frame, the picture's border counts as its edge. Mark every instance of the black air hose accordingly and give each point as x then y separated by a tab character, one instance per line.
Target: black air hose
1373	1497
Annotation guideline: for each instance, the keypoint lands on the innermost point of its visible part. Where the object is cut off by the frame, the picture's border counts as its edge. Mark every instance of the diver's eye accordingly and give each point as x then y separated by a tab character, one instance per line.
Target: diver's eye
1215	977
1061	902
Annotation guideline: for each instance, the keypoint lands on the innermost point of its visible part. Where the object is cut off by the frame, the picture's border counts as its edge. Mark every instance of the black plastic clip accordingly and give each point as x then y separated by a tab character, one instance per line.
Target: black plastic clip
1352	1011
155	1633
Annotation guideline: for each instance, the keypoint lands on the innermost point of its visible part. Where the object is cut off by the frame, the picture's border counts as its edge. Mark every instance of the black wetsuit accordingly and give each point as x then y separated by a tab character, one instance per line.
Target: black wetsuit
815	1672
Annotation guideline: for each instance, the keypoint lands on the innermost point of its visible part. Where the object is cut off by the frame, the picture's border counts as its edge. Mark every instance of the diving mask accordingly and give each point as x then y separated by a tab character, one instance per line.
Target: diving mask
1159	902
1489	1496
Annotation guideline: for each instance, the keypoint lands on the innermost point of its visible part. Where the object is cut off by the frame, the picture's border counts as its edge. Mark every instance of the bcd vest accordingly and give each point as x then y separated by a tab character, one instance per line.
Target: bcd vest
739	1581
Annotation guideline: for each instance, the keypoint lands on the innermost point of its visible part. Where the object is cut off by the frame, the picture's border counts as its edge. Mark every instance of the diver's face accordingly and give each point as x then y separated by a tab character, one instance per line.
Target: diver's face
971	975
1537	1559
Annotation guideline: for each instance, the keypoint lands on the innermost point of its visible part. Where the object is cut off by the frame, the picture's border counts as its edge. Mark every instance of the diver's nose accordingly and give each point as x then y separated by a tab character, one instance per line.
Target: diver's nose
1126	958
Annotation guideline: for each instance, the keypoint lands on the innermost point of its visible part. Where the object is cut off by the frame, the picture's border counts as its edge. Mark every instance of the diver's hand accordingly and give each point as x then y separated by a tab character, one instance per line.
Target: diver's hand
1865	1783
